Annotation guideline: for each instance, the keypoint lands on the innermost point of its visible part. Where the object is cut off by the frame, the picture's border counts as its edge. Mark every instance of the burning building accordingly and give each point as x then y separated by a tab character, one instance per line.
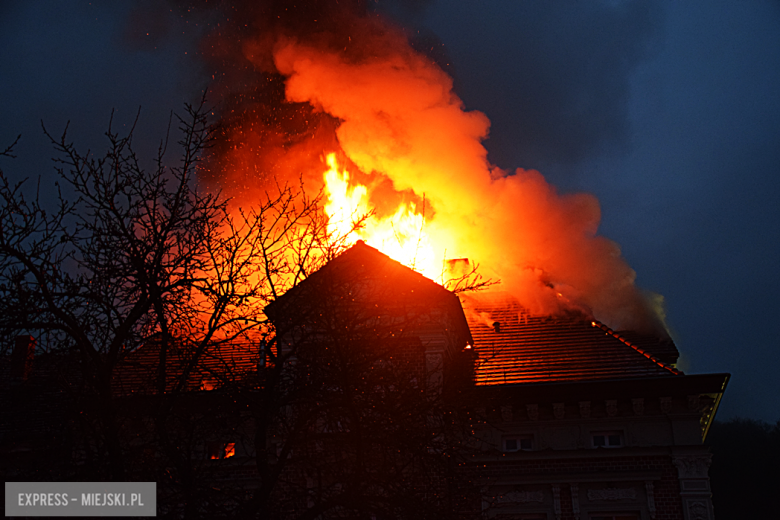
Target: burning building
573	420
376	392
382	393
577	420
340	100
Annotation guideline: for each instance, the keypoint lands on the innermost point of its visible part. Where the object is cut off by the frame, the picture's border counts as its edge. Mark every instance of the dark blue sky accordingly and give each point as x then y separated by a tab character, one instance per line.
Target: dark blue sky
669	112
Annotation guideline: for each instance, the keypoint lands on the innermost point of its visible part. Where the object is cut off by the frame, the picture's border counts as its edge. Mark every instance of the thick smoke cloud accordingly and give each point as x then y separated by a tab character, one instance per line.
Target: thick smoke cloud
564	82
400	117
295	81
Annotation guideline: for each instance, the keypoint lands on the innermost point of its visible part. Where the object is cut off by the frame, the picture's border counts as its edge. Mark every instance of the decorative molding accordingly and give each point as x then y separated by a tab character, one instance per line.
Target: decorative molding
585	409
556	489
533	411
612	494
650	498
506	413
611	407
693	466
638	405
559	410
698	510
575	498
666	404
520	497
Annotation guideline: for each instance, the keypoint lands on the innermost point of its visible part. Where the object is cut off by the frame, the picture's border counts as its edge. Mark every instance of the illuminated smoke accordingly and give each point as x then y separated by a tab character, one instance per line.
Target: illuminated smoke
342	80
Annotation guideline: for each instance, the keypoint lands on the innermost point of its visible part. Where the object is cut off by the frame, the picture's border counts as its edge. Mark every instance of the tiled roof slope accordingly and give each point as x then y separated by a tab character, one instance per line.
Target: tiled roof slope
524	348
218	365
662	349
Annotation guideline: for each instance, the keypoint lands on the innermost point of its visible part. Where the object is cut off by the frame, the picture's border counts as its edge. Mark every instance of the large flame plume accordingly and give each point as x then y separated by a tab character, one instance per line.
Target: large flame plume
401	236
411	156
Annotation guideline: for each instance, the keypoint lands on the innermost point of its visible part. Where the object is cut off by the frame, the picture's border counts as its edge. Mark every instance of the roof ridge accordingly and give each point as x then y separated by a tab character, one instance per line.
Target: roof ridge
598	324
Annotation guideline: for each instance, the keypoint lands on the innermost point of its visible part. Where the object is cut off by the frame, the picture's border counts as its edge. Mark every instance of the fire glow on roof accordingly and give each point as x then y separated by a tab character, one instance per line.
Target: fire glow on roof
516	347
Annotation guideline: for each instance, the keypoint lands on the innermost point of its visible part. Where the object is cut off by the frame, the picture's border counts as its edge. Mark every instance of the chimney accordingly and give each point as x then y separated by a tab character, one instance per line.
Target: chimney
22	358
458	268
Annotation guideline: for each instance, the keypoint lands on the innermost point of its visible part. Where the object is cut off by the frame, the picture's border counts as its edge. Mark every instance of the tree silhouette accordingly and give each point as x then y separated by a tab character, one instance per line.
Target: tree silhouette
153	290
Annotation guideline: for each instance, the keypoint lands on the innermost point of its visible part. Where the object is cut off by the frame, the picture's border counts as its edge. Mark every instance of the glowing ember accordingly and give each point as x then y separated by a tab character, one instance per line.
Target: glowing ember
401	236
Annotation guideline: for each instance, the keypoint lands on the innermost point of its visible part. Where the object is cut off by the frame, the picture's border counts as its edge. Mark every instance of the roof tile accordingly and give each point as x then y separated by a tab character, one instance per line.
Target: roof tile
514	346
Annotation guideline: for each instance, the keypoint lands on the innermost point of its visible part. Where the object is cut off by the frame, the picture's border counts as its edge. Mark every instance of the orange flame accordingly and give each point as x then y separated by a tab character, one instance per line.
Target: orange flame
401	236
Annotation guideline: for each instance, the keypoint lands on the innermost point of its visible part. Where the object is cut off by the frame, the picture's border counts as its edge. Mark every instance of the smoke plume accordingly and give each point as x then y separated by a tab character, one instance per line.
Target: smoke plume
297	80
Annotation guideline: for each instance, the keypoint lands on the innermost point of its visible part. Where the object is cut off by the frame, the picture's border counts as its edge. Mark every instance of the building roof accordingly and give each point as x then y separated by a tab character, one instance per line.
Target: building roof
219	364
367	284
360	265
514	346
360	280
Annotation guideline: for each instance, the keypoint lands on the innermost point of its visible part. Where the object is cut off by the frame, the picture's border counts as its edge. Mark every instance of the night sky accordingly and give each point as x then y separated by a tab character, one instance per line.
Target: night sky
669	112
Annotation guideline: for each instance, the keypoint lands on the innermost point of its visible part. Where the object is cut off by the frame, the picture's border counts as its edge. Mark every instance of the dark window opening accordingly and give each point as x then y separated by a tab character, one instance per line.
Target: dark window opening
607	439
519	443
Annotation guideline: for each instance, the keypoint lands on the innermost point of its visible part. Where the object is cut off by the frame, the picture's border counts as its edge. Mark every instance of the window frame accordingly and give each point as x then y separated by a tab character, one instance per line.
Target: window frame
607	435
219	450
520	439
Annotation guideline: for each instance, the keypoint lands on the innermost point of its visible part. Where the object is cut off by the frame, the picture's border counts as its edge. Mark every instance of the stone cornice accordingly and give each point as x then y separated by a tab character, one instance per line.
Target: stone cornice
568	477
589	453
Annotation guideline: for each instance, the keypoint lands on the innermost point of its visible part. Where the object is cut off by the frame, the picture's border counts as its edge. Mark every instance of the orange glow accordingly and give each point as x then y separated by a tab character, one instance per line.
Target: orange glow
230	449
392	116
218	450
401	236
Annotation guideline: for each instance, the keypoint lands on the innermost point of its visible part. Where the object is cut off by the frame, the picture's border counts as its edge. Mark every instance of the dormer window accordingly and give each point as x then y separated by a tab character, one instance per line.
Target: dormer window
607	439
519	443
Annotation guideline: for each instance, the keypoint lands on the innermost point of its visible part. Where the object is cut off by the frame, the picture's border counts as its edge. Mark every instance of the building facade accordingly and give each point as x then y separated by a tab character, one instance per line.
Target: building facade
382	395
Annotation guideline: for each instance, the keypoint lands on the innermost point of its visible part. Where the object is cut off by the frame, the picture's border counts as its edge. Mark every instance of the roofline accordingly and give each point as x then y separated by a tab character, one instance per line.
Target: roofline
715	406
649	356
653	386
270	309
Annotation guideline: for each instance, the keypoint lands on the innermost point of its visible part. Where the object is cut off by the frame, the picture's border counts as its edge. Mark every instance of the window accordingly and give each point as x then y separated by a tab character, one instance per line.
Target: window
519	443
221	450
612	439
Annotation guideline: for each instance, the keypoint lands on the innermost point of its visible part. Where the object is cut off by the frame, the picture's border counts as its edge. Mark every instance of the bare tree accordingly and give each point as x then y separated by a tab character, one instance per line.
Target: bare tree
144	266
138	253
